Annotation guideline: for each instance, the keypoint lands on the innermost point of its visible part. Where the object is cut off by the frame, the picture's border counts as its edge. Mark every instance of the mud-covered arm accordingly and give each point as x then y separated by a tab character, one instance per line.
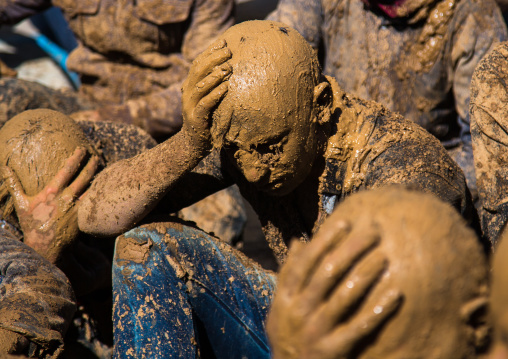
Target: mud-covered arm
478	27
36	299
208	177
209	19
303	15
489	131
125	192
13	11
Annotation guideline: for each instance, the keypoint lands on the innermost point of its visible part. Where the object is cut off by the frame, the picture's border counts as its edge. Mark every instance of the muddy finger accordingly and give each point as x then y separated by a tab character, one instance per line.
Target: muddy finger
353	290
306	262
345	338
84	178
204	67
217	45
209	83
15	188
288	280
209	102
68	171
340	261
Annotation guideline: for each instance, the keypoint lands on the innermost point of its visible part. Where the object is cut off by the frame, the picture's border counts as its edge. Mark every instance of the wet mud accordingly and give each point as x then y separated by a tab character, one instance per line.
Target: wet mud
440	270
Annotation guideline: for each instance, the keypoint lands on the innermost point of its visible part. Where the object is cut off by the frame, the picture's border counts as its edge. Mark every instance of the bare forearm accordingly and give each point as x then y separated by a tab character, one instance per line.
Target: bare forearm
125	192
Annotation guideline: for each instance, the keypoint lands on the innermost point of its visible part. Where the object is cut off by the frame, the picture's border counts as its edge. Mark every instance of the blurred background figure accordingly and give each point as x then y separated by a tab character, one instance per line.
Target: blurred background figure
132	58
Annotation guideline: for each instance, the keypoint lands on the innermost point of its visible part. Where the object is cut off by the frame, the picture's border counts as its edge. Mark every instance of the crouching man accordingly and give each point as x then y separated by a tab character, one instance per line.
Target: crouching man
258	113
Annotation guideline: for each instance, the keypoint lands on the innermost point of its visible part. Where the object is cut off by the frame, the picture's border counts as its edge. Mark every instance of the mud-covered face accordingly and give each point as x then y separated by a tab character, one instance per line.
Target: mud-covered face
265	122
272	144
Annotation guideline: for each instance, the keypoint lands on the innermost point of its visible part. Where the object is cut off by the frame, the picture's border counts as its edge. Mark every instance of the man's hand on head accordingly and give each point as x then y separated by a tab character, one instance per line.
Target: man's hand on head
320	288
204	88
49	218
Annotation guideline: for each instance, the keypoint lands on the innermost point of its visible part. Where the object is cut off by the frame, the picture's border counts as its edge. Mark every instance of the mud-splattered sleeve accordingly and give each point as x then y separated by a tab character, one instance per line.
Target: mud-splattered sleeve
303	15
209	19
36	299
13	11
478	26
489	131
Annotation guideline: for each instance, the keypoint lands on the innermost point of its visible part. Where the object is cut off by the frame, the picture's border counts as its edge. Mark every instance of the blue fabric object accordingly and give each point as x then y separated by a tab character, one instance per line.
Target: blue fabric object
178	291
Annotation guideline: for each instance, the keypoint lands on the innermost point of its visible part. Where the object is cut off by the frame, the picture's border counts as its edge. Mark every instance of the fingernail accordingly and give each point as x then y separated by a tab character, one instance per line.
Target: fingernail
226	67
220	44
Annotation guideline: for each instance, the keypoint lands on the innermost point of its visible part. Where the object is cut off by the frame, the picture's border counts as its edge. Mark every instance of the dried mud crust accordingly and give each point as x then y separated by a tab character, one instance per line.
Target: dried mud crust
198	266
140	48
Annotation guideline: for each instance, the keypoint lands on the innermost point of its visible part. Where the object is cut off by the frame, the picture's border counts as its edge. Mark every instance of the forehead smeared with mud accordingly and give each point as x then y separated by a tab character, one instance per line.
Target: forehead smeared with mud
435	260
274	74
36	143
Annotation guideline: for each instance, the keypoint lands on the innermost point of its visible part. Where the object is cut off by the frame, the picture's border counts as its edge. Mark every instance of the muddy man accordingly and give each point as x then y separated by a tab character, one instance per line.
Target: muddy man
258	113
416	57
378	245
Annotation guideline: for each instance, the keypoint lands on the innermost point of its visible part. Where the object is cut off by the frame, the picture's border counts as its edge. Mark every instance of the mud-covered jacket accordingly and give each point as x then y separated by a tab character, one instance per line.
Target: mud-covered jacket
418	65
489	131
369	148
134	55
36	298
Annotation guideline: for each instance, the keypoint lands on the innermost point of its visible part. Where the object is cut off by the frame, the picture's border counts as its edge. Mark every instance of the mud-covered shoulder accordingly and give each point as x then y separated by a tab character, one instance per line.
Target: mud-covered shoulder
482	18
117	141
489	132
401	152
491	68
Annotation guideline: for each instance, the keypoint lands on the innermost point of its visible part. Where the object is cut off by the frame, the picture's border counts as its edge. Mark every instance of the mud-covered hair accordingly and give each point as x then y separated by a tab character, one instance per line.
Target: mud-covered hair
35	145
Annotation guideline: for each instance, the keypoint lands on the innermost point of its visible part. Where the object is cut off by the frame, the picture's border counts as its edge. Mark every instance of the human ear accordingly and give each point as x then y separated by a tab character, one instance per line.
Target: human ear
322	102
475	316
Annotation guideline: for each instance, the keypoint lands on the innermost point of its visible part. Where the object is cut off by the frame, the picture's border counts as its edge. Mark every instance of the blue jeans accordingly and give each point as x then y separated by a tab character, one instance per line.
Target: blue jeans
180	293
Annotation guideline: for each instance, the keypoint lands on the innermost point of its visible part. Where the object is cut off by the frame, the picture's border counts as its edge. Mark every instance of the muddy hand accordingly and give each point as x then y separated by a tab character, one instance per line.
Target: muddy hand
202	91
49	219
314	313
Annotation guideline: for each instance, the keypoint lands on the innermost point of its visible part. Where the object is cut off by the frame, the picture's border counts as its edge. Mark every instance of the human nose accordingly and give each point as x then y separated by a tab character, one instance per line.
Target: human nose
253	169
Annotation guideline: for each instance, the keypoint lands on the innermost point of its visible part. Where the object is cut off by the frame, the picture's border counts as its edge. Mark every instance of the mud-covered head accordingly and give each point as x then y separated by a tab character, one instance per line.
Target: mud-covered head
437	263
35	145
268	120
499	296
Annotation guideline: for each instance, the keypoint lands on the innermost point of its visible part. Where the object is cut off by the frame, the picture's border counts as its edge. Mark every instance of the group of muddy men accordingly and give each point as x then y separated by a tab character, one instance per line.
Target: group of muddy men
369	136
